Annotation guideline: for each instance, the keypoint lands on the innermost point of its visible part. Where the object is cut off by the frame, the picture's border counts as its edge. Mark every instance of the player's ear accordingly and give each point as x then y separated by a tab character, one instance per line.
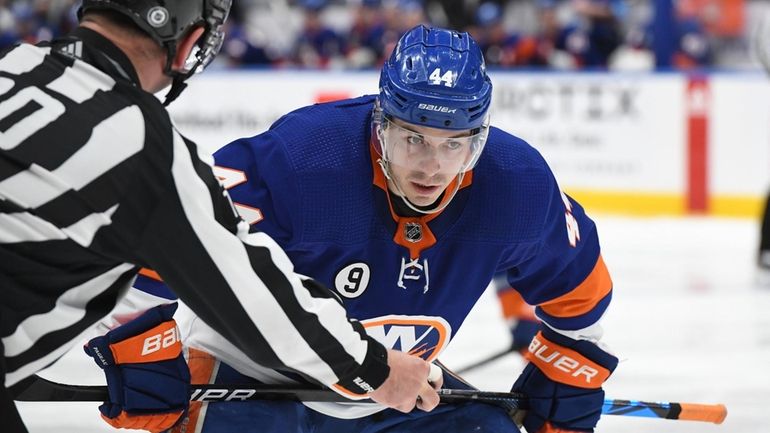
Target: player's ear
186	46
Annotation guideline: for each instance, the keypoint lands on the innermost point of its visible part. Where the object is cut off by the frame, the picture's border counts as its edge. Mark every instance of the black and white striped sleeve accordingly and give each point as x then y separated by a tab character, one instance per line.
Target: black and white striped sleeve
94	183
243	285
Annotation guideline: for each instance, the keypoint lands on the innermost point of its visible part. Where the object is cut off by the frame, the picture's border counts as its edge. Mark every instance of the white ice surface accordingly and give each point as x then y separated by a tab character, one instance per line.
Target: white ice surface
687	319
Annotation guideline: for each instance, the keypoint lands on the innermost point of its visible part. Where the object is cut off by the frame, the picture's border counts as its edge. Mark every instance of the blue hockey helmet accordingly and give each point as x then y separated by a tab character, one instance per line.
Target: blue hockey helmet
436	78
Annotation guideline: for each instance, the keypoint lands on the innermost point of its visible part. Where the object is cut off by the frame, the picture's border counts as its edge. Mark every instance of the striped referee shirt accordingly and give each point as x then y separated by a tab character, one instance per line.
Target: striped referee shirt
95	182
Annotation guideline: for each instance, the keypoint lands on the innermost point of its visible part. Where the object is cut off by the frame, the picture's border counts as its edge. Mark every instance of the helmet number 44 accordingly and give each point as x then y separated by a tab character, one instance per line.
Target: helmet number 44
437	78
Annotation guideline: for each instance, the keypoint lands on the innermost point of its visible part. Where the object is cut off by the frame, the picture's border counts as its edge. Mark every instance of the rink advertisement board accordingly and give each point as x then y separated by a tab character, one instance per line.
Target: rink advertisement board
622	143
599	135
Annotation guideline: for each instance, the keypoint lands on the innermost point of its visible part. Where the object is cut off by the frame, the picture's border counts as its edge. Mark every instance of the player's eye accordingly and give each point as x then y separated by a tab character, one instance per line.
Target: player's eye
453	144
415	139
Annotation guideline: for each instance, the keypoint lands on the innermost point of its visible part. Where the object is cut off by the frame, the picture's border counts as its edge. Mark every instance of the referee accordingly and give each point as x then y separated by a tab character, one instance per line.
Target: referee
95	183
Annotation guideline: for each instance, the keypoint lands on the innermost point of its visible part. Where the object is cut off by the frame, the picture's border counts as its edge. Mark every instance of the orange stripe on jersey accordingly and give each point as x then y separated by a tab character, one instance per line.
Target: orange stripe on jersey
149	273
583	297
203	369
565	365
514	306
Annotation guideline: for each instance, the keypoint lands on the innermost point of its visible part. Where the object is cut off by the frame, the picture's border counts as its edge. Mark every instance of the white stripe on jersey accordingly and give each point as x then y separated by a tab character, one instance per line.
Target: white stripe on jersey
70	83
70	308
23	59
32	187
50	110
329	311
37	186
230	256
27	370
25	227
592	333
6	84
83	231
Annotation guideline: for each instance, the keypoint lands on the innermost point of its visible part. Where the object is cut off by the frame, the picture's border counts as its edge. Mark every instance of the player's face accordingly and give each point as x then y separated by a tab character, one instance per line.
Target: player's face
423	161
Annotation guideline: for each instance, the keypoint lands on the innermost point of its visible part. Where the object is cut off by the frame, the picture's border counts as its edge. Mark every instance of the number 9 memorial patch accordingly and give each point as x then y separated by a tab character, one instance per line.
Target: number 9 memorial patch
352	280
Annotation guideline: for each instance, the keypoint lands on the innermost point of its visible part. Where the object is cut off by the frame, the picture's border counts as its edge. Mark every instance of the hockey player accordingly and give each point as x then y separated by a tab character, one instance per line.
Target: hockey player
406	204
95	182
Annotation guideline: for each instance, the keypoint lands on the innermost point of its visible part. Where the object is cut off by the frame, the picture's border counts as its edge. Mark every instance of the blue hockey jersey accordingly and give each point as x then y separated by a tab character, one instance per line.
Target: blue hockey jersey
313	184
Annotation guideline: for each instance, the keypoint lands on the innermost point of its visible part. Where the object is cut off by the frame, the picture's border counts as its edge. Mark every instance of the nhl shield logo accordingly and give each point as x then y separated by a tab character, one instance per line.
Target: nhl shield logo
413	232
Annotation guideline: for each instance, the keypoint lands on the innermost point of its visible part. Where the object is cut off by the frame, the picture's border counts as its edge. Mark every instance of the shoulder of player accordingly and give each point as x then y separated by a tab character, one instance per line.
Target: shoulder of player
514	187
323	138
508	155
340	114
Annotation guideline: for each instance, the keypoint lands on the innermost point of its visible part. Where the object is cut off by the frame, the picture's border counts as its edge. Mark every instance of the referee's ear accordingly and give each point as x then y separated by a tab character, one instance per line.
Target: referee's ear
185	46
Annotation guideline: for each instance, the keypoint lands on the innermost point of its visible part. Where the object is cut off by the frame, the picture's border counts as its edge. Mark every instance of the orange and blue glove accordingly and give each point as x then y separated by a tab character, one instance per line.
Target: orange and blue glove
563	382
147	377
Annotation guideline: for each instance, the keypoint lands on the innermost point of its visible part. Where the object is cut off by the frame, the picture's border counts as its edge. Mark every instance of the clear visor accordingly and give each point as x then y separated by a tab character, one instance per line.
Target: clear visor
445	152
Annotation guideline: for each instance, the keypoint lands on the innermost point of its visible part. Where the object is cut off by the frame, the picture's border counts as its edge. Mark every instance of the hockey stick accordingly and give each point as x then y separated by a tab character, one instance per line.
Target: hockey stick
46	391
484	361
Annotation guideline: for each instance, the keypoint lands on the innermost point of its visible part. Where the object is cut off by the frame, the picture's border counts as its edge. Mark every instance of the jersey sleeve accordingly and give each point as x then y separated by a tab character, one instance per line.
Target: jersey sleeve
566	277
243	285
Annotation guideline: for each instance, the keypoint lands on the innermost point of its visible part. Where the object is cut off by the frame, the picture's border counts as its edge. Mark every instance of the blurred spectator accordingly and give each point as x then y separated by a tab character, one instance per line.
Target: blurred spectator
317	45
68	16
406	14
366	44
242	48
635	54
30	24
399	16
542	33
7	26
593	35
500	47
693	46
550	29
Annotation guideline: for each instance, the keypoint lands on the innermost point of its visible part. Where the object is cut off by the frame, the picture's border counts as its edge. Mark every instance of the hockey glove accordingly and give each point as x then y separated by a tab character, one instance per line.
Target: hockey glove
563	381
147	377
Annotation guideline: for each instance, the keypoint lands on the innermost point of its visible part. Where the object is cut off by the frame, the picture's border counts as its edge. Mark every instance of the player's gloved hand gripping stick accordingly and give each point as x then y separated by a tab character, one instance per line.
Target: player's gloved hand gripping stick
563	381
147	377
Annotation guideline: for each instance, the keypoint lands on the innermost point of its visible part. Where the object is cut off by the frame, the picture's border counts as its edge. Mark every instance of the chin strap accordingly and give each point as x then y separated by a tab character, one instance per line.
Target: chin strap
179	82
177	86
384	166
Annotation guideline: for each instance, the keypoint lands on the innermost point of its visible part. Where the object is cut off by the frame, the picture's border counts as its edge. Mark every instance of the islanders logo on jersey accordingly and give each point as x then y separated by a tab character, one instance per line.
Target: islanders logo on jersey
423	336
